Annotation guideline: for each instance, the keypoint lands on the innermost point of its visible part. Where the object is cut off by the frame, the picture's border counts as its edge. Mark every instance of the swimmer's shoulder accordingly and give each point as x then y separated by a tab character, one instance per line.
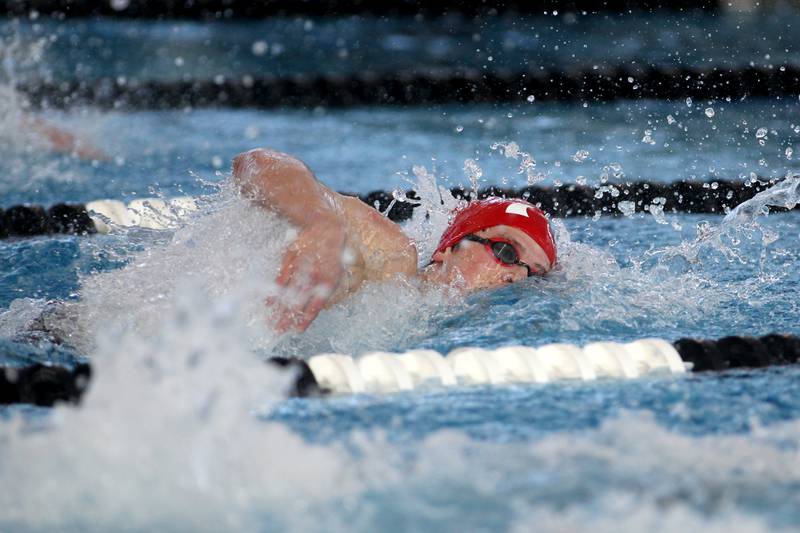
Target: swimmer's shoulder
386	249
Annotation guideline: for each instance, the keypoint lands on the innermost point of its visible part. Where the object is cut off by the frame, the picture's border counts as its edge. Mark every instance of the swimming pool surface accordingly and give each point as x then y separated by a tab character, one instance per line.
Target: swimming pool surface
184	427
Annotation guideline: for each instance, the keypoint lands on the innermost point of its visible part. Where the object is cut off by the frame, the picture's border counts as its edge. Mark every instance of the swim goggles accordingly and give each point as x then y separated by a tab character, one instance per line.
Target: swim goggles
503	251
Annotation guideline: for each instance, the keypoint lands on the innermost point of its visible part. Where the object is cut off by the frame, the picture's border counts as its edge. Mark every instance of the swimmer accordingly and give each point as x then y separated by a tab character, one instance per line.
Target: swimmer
343	243
60	140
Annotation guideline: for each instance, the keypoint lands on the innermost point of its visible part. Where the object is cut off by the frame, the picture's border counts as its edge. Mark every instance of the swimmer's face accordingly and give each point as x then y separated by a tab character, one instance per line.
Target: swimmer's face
472	265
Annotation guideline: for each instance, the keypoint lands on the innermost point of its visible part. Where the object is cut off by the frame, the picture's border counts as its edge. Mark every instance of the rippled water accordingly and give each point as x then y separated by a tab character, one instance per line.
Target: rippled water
185	428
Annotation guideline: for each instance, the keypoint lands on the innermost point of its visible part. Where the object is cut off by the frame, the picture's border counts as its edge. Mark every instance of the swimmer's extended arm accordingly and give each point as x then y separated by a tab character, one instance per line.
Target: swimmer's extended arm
312	268
286	185
332	226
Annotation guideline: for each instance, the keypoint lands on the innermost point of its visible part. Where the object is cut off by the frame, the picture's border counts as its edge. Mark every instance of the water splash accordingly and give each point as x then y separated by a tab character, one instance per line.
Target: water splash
741	223
527	164
166	427
432	215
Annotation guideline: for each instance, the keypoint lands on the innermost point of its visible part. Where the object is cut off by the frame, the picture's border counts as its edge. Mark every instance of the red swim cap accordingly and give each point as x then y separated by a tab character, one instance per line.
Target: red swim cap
483	214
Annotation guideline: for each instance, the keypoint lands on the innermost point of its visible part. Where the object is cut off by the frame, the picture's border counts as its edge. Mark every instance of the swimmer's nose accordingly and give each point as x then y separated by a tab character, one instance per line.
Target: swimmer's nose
438	257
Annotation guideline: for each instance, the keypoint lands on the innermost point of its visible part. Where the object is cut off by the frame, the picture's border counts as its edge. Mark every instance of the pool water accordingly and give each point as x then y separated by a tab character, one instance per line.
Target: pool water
184	427
169	50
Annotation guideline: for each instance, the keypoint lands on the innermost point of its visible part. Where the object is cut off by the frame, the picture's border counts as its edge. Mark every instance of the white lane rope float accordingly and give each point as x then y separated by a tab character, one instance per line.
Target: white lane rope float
45	383
383	372
150	213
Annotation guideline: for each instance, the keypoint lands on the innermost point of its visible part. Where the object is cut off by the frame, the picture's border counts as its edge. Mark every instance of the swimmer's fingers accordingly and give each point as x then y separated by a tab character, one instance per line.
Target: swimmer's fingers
289	268
303	304
295	291
286	320
315	304
294	319
304	308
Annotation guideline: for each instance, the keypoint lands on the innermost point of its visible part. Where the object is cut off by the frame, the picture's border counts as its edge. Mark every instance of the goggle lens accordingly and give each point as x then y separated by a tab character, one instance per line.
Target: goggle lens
505	252
502	251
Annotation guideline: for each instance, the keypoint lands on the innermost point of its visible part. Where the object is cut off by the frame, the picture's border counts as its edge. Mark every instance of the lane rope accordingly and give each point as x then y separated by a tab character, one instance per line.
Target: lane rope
623	198
384	372
444	86
229	9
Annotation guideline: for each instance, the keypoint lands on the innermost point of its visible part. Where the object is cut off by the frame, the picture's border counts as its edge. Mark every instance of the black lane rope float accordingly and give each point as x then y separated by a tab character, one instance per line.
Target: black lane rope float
44	385
225	9
613	198
420	87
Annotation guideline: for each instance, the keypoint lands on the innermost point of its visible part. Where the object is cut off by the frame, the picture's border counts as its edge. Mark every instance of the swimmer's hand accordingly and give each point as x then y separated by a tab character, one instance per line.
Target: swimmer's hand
311	272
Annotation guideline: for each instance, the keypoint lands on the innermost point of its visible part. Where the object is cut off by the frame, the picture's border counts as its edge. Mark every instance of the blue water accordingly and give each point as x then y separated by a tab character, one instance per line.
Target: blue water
697	405
167	438
171	153
170	50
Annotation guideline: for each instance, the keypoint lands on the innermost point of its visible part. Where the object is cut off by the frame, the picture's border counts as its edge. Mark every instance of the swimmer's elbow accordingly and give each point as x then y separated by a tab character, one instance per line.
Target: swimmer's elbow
264	166
254	172
247	165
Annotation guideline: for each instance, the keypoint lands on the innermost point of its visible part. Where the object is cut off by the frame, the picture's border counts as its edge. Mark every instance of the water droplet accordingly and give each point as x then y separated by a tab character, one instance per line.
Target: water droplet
627	208
761	133
789	152
399	195
580	156
472	169
216	161
459	128
251	132
120	5
179	61
714	185
670	119
530	98
259	48
689	101
630	80
709	112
